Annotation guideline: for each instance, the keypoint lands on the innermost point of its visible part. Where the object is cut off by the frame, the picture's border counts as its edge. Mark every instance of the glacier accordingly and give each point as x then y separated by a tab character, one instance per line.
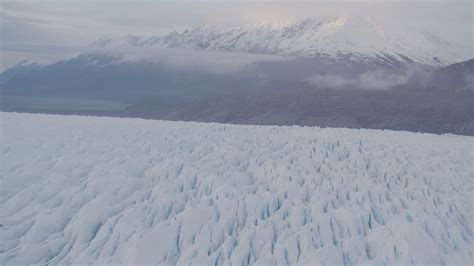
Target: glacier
77	190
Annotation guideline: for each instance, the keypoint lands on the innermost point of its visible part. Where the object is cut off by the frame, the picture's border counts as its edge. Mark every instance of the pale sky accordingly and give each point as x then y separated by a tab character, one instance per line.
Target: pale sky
49	28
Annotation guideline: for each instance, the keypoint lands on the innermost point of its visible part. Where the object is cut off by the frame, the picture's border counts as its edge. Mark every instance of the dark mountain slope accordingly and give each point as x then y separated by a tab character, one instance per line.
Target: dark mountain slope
259	93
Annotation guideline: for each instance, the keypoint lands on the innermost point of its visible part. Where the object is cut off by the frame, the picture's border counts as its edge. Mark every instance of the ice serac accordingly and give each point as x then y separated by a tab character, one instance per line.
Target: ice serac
81	190
347	38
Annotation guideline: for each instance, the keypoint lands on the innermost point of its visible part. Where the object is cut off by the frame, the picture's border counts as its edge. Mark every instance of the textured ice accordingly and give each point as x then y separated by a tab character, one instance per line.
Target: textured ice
108	190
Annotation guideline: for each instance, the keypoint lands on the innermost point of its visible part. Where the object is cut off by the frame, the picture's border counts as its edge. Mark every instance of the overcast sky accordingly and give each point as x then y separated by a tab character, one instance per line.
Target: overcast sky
57	27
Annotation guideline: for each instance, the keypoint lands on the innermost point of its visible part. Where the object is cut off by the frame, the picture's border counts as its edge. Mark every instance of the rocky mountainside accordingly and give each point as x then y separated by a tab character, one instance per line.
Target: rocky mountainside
456	76
302	91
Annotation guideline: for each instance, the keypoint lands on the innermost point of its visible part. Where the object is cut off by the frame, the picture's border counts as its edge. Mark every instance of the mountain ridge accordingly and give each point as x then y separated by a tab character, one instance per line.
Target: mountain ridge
344	38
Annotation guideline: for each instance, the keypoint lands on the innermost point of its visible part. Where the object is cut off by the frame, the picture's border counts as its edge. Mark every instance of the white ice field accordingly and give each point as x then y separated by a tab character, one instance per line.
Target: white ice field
114	190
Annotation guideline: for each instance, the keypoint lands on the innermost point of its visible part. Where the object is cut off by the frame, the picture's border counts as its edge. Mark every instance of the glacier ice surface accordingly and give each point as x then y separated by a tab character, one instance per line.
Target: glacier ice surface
114	190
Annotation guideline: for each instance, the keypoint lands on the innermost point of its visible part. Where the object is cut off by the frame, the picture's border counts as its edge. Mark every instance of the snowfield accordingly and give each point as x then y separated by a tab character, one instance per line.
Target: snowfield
113	190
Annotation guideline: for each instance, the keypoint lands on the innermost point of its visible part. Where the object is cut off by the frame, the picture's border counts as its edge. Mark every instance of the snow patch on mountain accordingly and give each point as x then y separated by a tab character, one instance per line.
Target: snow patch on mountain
80	190
348	38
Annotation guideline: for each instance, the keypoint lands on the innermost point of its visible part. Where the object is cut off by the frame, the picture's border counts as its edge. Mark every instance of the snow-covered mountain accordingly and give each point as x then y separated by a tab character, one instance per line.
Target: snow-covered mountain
89	190
349	38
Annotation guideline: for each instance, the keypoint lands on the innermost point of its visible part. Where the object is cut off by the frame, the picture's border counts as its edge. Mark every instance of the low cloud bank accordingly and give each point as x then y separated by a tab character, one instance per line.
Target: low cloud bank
188	59
371	80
